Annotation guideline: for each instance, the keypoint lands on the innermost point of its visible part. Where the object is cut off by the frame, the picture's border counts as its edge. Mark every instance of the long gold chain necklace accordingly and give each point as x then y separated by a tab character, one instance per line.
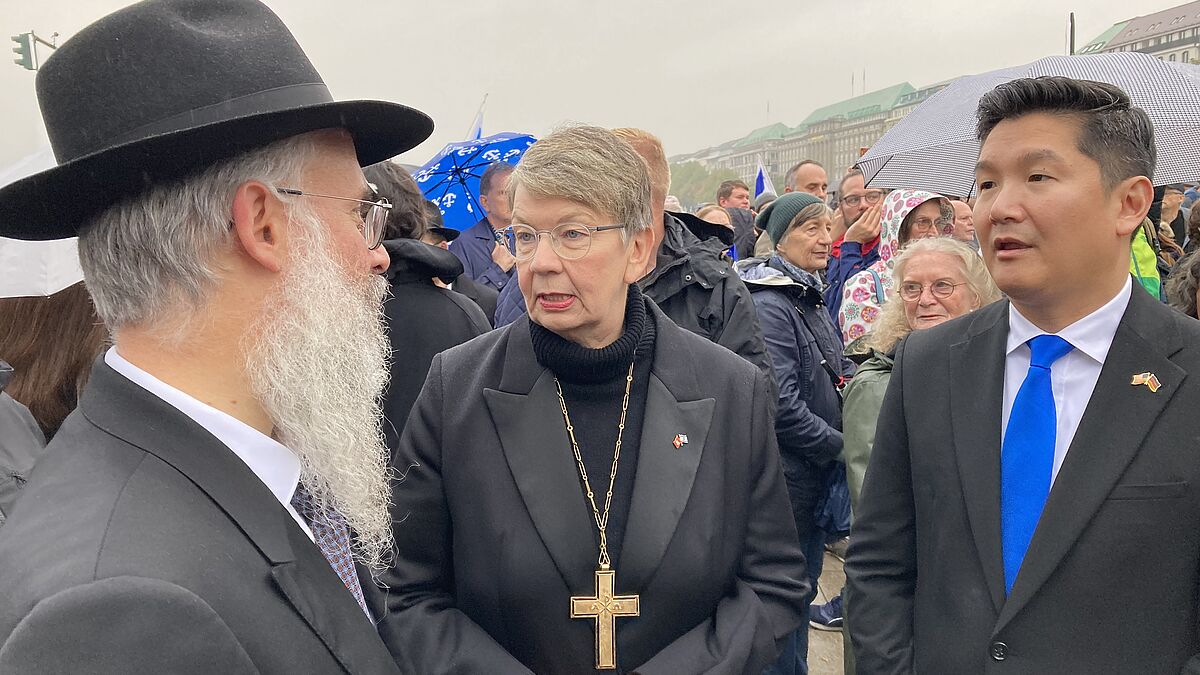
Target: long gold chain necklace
604	606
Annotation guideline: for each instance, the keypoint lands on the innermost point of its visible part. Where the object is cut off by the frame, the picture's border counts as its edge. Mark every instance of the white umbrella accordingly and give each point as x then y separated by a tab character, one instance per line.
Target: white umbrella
934	147
36	268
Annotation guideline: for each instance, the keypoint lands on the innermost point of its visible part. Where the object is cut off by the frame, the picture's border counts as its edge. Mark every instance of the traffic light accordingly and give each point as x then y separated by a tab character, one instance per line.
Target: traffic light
24	51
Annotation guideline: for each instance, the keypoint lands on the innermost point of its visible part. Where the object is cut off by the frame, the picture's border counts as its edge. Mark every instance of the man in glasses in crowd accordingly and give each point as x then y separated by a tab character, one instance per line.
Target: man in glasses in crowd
219	499
857	246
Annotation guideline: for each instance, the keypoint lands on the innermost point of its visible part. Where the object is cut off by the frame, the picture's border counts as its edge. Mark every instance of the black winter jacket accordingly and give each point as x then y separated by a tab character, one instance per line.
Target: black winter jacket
423	320
800	336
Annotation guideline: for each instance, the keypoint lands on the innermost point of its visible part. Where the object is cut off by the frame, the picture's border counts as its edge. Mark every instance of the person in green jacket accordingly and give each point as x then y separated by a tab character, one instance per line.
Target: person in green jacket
936	280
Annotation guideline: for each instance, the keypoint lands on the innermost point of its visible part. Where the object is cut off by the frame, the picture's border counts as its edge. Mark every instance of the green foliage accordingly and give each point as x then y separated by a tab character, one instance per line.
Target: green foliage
693	184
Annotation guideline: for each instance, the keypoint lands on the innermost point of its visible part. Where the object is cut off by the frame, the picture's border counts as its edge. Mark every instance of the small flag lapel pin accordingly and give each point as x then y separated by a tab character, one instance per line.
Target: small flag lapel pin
680	441
1148	379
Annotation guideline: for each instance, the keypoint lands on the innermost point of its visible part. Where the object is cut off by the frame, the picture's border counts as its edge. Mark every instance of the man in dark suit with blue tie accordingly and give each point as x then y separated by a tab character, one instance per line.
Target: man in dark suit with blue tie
1033	497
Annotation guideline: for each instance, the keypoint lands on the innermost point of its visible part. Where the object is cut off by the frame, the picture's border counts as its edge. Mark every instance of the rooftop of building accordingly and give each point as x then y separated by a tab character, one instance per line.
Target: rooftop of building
859	106
1153	25
768	133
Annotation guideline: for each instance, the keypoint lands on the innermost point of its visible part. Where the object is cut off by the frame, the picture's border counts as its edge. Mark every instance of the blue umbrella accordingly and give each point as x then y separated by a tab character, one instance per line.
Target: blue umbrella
451	179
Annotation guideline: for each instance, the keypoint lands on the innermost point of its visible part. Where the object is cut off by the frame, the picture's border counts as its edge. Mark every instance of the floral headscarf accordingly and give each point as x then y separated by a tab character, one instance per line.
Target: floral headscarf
865	292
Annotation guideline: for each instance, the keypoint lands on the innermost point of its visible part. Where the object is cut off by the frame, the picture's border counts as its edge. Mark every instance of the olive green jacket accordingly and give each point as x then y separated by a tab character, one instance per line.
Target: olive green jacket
863	399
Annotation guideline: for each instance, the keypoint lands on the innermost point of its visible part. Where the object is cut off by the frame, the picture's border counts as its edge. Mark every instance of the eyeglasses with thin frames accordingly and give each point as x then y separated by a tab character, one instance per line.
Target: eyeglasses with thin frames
872	198
925	225
373	214
571	241
942	289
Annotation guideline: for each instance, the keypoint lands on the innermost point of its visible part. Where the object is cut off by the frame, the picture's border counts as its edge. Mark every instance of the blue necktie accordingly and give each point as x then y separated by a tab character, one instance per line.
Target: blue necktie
1027	455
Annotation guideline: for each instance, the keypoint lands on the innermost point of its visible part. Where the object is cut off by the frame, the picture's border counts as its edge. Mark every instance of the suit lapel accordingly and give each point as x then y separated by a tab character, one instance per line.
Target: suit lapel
976	397
300	572
129	412
1101	450
318	595
665	476
528	419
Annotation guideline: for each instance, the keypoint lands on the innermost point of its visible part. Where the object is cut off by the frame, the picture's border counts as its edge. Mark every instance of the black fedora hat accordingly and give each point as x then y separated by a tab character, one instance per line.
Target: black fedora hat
163	88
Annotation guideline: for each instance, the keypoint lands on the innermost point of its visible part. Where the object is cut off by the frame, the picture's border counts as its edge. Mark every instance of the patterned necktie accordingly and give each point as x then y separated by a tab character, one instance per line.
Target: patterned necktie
333	537
1027	455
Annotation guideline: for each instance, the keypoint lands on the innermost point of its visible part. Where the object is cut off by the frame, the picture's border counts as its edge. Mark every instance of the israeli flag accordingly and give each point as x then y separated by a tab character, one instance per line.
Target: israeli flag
762	182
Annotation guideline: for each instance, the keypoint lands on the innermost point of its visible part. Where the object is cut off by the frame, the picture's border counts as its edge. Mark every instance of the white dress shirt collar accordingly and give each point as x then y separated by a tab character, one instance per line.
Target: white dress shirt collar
1091	335
275	465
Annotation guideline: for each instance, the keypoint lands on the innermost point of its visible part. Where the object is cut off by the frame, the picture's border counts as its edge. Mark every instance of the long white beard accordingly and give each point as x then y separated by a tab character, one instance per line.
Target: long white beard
318	362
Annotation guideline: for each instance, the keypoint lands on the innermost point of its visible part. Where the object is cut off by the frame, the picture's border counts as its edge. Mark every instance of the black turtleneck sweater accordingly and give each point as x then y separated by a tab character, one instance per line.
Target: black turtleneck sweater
593	384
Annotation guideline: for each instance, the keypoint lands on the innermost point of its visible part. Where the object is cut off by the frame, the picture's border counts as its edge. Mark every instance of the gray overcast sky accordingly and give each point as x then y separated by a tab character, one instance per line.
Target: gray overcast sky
695	73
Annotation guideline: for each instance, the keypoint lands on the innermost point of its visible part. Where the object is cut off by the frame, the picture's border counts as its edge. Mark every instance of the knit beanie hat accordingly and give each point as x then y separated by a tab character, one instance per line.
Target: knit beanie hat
776	217
764	200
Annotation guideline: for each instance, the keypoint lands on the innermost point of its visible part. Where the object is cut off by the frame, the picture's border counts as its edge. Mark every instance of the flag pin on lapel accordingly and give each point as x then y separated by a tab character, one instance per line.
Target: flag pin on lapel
680	441
1148	379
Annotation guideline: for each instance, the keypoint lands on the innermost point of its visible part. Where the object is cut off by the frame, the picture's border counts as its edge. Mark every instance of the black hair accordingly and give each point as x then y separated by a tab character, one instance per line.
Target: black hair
1113	132
406	219
433	215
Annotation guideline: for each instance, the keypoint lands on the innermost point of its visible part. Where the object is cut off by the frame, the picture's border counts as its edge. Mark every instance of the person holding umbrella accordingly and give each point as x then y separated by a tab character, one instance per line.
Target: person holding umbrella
1033	484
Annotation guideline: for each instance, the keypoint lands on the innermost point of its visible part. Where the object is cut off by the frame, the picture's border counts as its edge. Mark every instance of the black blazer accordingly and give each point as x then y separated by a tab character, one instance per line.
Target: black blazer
141	544
422	320
494	536
1111	580
484	296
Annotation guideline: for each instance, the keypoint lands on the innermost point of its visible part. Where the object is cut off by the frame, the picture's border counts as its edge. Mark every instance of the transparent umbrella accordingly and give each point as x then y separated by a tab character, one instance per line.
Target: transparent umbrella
934	147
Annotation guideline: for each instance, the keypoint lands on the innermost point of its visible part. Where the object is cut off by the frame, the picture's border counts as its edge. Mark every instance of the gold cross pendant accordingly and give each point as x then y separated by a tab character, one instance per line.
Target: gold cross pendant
605	607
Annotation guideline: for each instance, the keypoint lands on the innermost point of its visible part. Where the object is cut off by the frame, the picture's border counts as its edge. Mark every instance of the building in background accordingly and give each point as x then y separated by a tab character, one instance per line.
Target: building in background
837	135
1171	35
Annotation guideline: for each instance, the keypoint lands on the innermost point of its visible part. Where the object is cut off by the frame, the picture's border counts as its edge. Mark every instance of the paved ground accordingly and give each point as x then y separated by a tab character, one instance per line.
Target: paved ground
825	647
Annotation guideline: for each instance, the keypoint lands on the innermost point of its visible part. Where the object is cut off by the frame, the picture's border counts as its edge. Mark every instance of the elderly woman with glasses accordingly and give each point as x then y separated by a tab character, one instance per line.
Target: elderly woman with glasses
591	487
936	280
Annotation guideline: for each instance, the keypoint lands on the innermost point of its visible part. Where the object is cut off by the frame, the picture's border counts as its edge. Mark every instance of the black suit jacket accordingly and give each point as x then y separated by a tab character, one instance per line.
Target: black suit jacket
484	296
141	544
1111	580
494	534
422	320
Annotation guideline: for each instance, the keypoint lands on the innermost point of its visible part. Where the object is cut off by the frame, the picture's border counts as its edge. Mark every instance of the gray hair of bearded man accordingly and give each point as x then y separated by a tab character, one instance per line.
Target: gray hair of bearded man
590	166
315	358
151	256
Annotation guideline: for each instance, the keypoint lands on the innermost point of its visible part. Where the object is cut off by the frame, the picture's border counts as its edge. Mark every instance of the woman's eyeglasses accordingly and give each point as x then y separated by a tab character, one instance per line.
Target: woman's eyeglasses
942	288
570	241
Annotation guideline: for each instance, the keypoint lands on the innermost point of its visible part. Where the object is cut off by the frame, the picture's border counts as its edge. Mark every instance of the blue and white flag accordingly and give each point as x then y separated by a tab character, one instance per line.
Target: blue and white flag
476	131
762	182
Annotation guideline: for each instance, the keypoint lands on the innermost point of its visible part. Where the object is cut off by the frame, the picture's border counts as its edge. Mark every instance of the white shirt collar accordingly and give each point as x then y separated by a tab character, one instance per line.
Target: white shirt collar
1092	335
274	464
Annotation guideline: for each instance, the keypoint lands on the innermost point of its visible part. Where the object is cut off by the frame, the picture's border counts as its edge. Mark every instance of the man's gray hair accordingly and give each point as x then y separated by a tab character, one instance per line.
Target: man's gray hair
590	166
152	257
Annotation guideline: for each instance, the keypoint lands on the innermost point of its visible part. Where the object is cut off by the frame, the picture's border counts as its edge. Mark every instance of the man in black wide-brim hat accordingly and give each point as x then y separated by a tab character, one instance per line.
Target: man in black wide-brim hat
219	499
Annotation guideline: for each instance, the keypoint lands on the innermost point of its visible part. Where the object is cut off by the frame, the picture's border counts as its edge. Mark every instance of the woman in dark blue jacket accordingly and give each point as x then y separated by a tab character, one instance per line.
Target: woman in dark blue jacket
806	359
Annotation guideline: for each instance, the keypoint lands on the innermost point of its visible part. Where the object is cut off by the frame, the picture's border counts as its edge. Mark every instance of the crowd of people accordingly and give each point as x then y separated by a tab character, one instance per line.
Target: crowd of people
291	423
